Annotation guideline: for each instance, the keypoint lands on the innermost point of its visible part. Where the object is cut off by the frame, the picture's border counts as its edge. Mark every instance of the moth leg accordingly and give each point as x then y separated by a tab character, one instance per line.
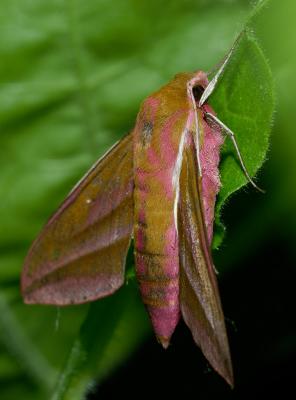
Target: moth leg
213	119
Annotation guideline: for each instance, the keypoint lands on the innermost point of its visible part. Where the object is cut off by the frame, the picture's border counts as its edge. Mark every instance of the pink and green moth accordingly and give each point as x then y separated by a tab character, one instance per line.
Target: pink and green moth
157	185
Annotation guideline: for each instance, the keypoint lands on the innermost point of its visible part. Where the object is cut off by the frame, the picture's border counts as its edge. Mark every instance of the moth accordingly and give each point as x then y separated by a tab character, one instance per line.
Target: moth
157	185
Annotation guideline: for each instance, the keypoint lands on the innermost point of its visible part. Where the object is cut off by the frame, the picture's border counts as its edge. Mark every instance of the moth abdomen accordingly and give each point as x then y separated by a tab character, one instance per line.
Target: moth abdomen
158	280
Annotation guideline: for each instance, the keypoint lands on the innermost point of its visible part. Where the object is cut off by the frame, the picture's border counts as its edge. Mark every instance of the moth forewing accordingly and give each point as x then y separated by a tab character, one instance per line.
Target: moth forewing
80	254
199	296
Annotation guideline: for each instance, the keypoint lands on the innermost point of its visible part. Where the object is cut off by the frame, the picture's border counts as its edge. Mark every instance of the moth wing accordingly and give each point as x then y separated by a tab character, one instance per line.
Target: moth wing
199	296
80	254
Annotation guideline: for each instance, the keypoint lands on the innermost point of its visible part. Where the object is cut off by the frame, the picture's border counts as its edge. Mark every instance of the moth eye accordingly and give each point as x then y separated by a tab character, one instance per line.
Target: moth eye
197	92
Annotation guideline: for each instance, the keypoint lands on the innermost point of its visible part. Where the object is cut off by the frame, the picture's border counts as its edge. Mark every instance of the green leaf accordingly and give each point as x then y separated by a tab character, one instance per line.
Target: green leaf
244	101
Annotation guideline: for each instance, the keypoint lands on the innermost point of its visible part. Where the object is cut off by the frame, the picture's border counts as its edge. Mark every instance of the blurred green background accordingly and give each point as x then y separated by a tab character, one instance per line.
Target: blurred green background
72	76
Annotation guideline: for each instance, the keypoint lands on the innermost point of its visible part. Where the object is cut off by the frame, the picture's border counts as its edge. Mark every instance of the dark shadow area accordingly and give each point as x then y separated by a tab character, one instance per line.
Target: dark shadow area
259	304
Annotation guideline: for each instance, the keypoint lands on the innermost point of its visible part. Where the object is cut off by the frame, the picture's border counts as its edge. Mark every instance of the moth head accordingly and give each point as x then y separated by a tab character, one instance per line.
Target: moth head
200	78
198	83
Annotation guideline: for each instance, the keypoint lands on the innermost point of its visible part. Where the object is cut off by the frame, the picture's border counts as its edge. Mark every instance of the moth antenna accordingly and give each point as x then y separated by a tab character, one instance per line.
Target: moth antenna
196	136
229	132
221	67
